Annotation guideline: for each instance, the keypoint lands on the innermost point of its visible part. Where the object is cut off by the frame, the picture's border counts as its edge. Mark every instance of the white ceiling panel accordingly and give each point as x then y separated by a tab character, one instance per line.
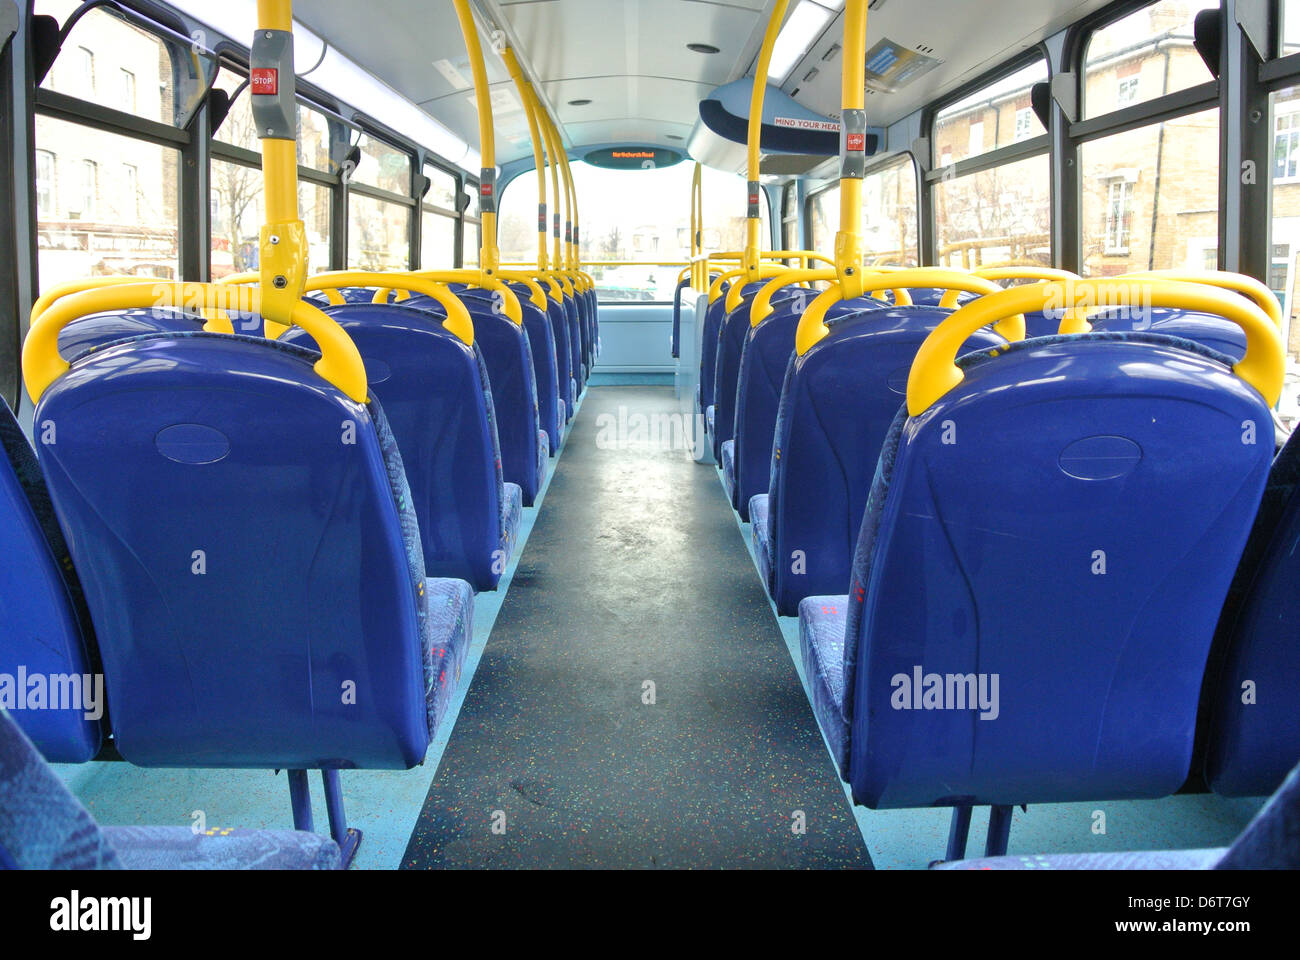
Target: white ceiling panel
629	57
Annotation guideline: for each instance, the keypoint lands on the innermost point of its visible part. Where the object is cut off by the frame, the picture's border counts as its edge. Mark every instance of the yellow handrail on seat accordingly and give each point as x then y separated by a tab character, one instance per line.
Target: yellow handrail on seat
813	329
340	363
458	319
934	371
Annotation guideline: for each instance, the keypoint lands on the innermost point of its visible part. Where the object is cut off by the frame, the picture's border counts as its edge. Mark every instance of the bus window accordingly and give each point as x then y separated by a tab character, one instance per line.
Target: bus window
1151	197
107	204
1283	277
824	218
790	219
473	241
994	116
997	216
379	234
641	216
889	214
438	221
1143	56
110	61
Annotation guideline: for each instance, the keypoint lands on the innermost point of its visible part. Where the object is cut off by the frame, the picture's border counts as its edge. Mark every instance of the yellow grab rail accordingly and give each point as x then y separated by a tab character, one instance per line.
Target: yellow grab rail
1249	287
764	270
949	300
340	363
214	322
848	241
934	371
761	308
458	320
813	329
489	254
754	189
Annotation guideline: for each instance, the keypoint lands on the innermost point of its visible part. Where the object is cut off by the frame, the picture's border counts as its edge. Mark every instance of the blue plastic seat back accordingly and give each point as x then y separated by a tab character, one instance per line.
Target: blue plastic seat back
563	355
46	636
1041	542
732	331
541	341
713	317
764	360
837	403
507	354
1251	692
677	318
349	294
1203	328
583	305
245	541
577	361
94	330
438	403
929	296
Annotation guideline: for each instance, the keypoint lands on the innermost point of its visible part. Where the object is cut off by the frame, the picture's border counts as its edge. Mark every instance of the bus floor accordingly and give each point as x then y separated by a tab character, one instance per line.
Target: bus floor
635	706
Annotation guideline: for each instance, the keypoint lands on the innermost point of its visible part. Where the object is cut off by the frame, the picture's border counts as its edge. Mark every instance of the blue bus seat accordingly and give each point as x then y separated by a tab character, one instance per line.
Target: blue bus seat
1041	531
251	559
1252	724
733	331
1203	328
929	296
1271	841
837	403
563	358
541	340
583	305
764	359
44	827
676	343
508	356
439	405
709	354
97	329
45	626
577	366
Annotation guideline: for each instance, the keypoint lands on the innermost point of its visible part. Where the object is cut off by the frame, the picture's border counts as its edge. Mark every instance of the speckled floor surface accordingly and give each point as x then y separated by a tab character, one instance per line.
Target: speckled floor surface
635	575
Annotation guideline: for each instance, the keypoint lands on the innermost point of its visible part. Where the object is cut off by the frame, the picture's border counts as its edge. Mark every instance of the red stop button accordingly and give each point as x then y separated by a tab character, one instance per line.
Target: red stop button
265	81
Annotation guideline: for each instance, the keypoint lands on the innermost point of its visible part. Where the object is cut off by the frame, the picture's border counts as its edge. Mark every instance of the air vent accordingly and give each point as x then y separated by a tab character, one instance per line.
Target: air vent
808	77
924	49
830	54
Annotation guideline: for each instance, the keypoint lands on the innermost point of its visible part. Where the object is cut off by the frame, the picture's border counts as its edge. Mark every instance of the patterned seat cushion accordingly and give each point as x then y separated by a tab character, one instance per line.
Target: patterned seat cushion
511	509
821	643
180	848
451	628
1150	860
759	516
729	467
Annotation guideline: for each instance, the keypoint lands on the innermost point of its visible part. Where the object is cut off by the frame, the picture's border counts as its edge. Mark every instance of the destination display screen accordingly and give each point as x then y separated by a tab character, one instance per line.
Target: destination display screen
633	158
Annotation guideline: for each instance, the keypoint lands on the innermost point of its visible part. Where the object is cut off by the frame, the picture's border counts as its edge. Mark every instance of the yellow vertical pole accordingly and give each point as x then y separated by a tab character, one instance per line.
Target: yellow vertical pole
282	254
853	155
489	254
529	100
754	221
548	131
